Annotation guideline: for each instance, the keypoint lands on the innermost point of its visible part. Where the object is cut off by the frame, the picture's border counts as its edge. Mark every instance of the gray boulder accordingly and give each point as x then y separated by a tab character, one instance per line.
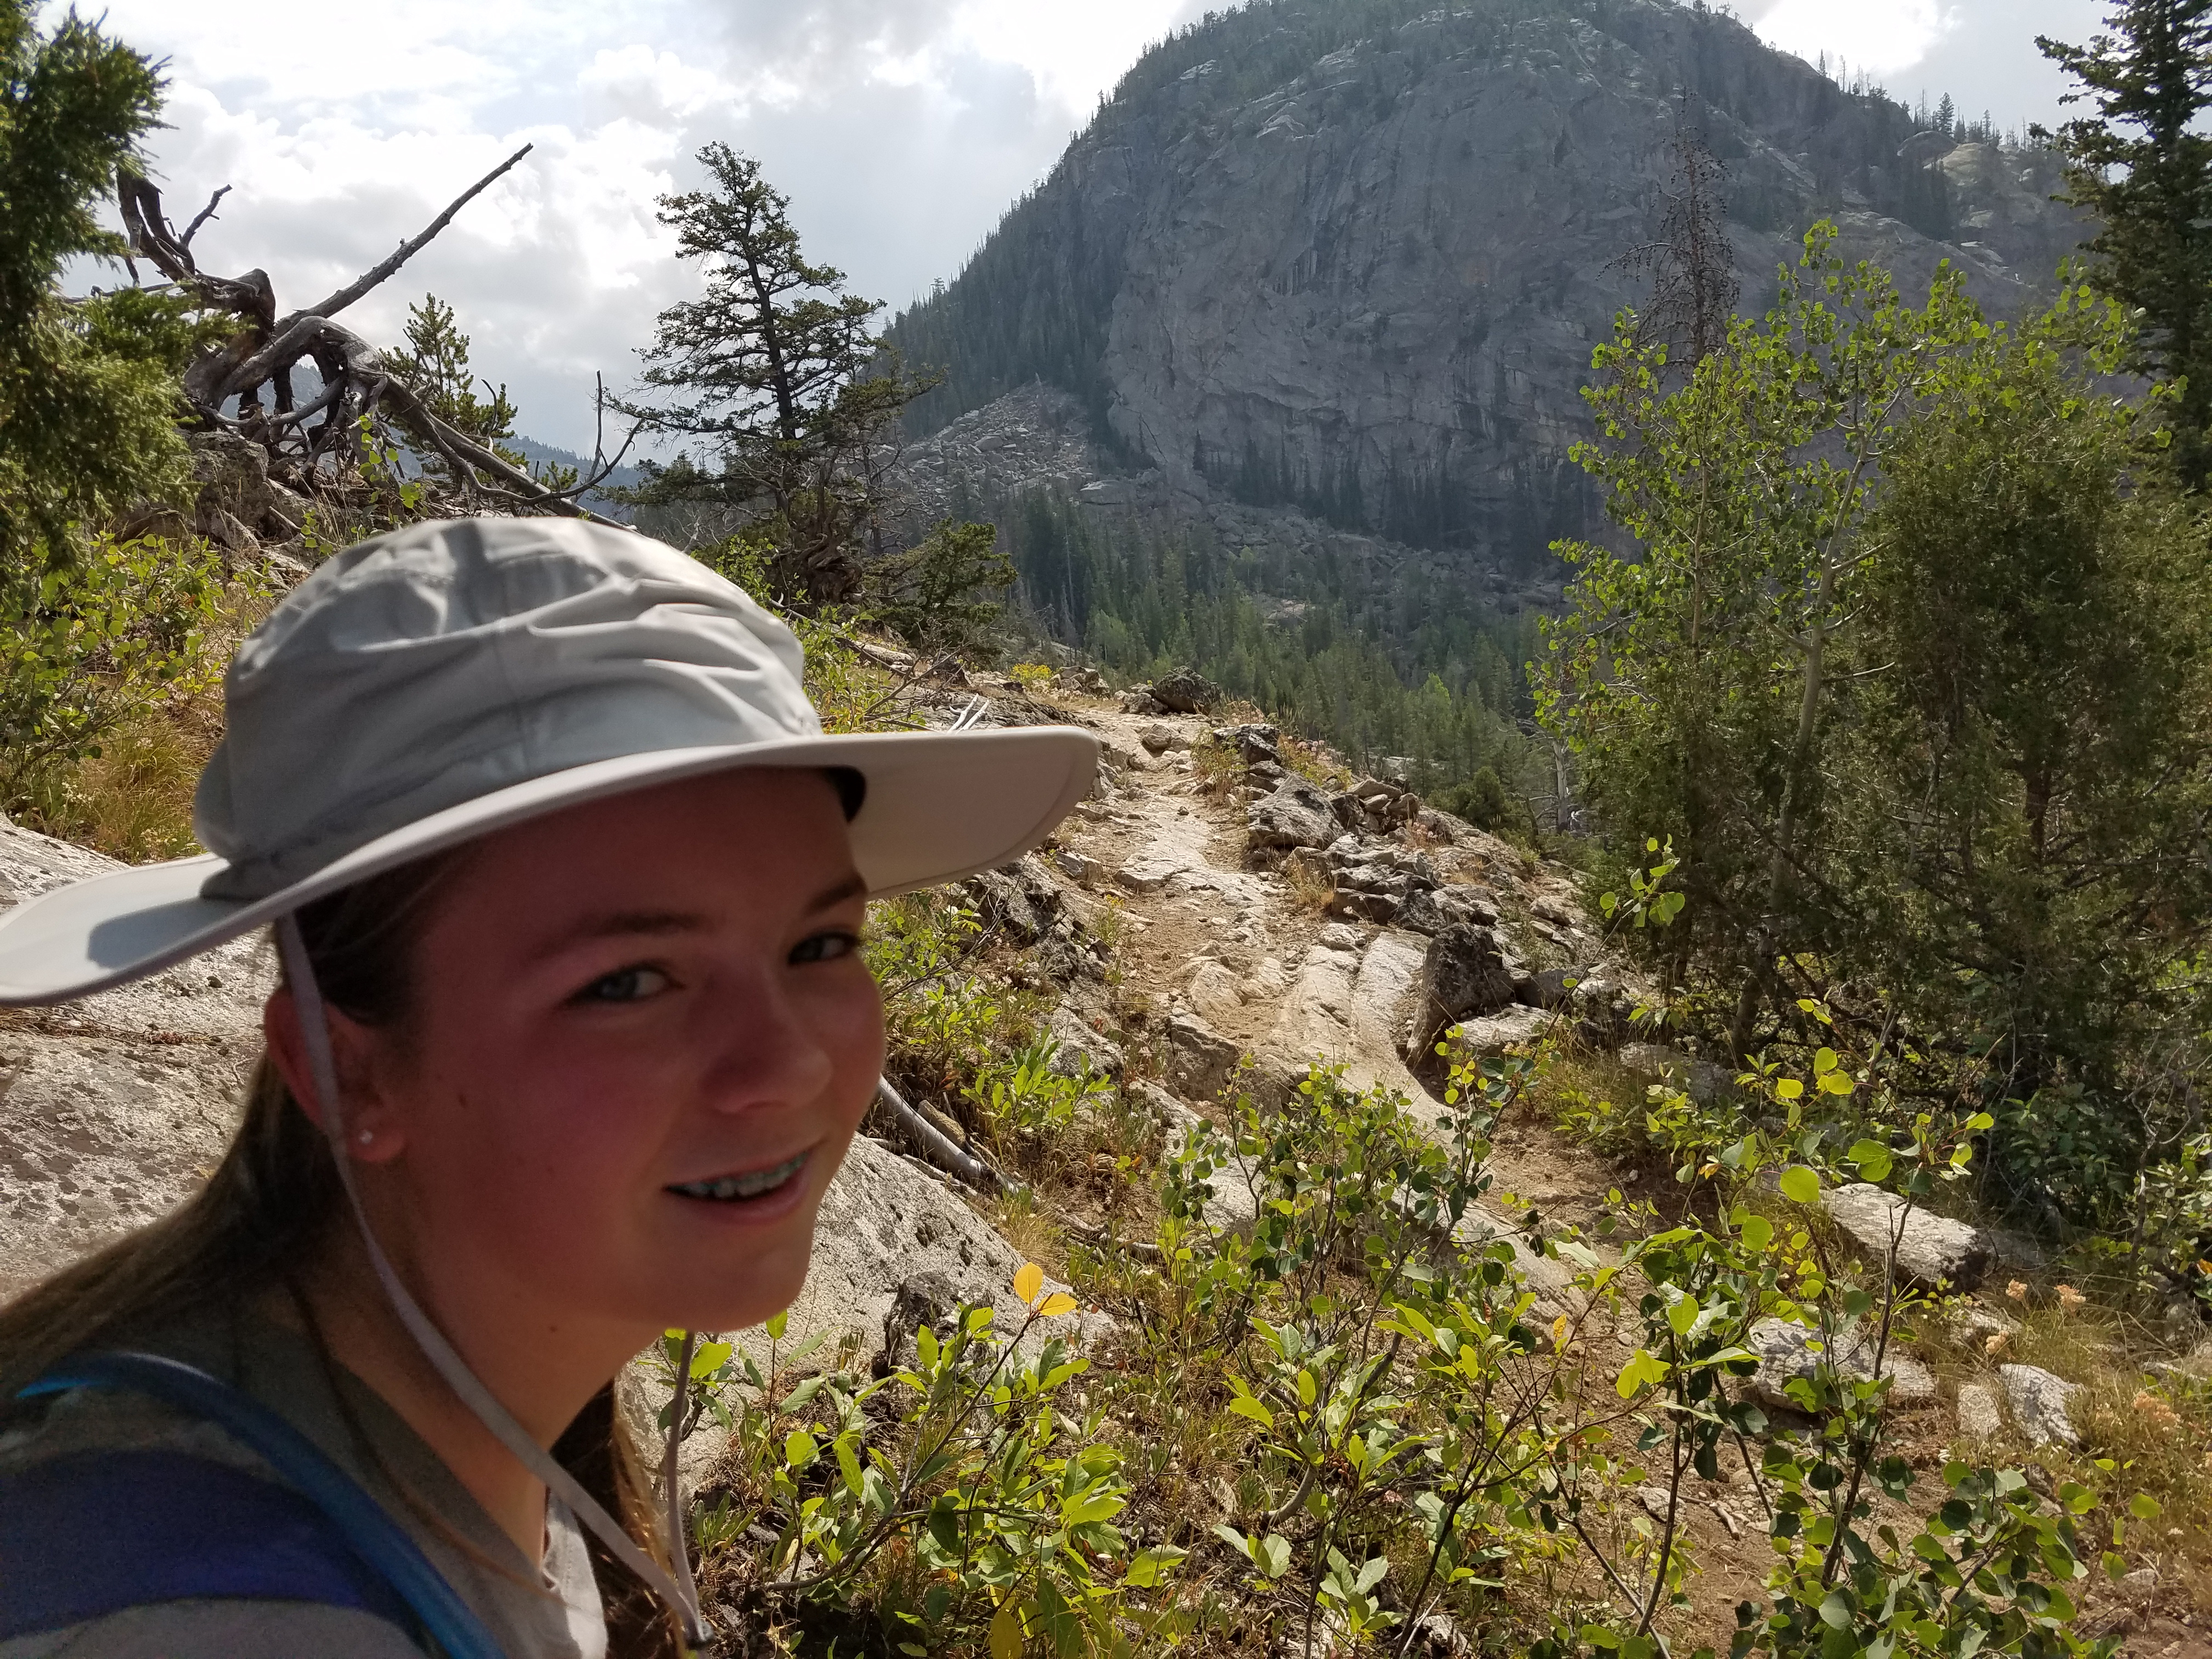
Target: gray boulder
1200	1061
1021	899
1979	1417
1186	691
1079	1045
1431	910
2041	1404
1256	742
1464	974
1295	814
1373	882
1158	739
1932	1248
1785	1352
114	1108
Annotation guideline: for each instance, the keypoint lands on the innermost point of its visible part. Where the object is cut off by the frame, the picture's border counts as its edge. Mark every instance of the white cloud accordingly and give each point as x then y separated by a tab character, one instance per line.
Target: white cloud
1879	36
901	129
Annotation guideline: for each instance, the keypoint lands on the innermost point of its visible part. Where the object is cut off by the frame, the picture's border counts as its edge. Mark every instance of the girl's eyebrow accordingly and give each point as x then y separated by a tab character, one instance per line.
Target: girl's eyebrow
620	924
662	924
852	887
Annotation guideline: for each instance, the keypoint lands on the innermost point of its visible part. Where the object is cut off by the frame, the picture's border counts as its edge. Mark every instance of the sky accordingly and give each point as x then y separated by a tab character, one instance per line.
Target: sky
901	130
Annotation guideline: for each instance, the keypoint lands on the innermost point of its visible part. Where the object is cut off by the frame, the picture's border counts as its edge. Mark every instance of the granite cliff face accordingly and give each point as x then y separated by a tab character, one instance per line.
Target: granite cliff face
1351	259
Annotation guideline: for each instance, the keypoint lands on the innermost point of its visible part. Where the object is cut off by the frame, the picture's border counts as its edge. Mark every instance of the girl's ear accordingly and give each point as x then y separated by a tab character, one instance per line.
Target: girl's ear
372	1132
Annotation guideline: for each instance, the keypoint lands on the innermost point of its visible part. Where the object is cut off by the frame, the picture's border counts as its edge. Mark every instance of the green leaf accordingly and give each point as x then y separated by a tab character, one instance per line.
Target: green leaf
1800	1185
1837	1610
1272	1553
2143	1507
1006	1632
849	1464
1246	1406
1683	1314
1152	1565
1644	1369
1873	1158
777	1324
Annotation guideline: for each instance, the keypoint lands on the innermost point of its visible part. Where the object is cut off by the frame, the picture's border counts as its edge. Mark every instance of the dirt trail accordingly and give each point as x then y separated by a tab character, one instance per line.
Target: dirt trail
1203	935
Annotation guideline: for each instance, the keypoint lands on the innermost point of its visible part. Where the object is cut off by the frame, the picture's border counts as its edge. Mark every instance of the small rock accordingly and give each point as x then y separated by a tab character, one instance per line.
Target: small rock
1480	1039
1339	937
1554	987
1979	1417
1080	867
1931	1250
1145	874
1442	826
1555	911
1186	692
1201	1060
1215	992
1785	1353
1158	739
2040	1403
1079	1045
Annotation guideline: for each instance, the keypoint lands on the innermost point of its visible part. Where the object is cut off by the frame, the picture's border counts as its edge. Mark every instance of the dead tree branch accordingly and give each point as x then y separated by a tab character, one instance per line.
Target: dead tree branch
357	382
408	249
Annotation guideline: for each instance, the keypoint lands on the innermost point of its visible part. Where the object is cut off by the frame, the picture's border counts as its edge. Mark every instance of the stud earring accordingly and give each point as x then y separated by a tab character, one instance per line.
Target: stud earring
366	1136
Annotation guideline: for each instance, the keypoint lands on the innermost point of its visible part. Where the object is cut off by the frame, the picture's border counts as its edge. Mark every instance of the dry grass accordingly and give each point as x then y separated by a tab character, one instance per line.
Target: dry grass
133	800
1311	888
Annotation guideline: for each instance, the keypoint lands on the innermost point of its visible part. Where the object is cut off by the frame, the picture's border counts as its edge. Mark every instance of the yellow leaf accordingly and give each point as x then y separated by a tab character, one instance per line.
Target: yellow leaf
1027	1283
1057	1303
1007	1626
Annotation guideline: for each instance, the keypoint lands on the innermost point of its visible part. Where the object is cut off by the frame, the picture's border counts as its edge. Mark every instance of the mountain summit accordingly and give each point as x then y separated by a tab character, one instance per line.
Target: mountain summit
1353	256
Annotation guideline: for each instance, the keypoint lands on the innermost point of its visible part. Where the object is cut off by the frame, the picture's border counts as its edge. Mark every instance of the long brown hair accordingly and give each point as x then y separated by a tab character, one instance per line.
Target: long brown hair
272	1204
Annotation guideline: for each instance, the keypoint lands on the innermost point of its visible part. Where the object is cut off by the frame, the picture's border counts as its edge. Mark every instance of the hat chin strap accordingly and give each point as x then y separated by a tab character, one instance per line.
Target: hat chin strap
677	1590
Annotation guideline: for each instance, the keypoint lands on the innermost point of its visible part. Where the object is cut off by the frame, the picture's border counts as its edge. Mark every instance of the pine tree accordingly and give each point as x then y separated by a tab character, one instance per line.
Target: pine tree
436	368
2139	167
87	387
780	374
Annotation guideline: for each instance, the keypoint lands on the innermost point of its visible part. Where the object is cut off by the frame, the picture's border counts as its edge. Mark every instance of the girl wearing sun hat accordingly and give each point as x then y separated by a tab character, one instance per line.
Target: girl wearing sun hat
567	886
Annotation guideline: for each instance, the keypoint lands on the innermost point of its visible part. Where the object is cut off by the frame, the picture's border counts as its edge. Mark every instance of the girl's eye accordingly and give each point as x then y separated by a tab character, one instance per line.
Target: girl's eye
624	985
825	947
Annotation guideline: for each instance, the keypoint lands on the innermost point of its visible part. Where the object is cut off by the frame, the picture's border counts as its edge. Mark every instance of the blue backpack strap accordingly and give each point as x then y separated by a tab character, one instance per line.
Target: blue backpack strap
89	1533
374	1541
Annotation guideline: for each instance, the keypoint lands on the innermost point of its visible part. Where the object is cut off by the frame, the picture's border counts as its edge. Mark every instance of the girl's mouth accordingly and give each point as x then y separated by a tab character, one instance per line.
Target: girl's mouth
735	1188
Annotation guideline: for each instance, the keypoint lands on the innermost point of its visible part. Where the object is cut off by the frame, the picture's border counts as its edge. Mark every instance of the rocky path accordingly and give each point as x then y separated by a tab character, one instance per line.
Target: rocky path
1215	947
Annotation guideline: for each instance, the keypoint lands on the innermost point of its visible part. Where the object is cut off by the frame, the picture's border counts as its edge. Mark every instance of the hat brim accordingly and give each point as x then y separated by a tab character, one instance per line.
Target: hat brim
940	806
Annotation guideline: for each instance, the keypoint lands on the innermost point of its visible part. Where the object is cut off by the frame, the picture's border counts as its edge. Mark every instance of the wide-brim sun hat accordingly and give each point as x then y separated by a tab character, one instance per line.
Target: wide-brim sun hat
454	677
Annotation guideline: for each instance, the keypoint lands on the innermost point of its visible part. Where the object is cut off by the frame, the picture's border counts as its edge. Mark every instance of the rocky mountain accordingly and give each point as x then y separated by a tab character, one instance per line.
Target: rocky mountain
1350	257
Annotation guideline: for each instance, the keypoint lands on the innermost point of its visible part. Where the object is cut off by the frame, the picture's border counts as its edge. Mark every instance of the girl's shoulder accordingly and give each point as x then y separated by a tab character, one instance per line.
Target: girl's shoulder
227	1629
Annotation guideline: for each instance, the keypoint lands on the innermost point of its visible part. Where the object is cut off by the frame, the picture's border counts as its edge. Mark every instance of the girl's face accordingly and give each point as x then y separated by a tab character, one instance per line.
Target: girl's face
641	1040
